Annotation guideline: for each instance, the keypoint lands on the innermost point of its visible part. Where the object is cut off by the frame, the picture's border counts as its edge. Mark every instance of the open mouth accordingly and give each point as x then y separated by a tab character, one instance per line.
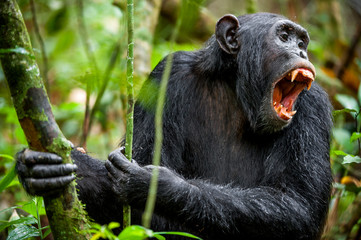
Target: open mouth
287	90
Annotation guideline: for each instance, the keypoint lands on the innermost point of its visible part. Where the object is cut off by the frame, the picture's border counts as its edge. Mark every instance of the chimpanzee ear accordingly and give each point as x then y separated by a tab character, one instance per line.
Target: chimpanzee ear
226	29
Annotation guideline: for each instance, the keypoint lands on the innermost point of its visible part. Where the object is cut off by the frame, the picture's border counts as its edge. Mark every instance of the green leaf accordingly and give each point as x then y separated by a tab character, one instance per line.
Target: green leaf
339	153
355	136
113	225
8	209
31	208
345	110
347	101
23	232
135	232
23	220
47	231
9	177
159	237
7	156
351	159
178	234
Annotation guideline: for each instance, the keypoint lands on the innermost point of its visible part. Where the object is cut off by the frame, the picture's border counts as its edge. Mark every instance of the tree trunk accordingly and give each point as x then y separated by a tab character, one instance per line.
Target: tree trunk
66	215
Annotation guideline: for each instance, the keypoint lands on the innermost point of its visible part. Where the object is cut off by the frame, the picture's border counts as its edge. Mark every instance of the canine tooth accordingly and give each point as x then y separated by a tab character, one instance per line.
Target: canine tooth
274	104
292	113
309	83
278	108
294	74
285	115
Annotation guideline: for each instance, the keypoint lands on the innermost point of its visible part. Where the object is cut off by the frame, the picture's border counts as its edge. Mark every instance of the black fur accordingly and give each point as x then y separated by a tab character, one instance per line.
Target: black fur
229	169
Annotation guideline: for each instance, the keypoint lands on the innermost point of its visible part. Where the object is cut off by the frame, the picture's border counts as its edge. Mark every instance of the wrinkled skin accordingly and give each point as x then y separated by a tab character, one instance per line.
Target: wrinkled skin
231	168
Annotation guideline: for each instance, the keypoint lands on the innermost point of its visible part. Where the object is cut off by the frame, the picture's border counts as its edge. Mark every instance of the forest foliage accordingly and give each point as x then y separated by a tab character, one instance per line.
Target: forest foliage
81	48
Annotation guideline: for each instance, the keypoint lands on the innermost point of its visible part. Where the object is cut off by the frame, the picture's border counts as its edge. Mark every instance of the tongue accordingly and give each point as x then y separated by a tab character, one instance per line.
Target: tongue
288	100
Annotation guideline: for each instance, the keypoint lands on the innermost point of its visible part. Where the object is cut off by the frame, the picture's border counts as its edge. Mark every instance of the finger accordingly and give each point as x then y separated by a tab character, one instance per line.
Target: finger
114	172
119	160
48	184
33	157
22	169
45	171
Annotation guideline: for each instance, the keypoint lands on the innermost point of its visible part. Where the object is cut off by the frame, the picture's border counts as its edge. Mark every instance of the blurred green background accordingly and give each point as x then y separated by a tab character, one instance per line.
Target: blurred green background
81	46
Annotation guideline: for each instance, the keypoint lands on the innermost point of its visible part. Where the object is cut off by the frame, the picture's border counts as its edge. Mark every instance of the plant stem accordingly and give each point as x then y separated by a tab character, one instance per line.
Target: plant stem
130	93
152	194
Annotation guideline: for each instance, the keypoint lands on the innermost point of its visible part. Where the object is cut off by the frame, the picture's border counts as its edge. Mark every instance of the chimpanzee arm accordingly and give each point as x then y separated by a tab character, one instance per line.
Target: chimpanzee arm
211	210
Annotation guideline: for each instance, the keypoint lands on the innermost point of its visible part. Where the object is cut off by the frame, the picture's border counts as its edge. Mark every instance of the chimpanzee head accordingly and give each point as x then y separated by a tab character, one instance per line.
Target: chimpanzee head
272	66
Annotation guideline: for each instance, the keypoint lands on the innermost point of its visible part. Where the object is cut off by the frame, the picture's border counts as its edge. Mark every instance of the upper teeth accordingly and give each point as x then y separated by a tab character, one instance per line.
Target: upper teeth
305	72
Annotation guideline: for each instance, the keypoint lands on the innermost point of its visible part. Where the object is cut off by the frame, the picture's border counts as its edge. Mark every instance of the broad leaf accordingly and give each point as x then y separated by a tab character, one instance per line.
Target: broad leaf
347	101
23	232
351	159
355	136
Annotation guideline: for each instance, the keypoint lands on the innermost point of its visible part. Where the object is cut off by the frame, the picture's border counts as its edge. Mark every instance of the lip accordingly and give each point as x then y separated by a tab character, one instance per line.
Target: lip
303	64
286	114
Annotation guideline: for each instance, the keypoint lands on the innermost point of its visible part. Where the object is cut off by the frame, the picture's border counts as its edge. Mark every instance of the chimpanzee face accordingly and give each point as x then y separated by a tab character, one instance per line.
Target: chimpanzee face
273	66
289	70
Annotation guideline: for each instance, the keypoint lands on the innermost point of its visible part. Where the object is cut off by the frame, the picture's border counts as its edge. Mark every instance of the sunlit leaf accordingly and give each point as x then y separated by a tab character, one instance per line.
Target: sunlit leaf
32	209
159	237
351	159
135	232
178	234
23	220
113	225
6	156
355	136
23	232
339	153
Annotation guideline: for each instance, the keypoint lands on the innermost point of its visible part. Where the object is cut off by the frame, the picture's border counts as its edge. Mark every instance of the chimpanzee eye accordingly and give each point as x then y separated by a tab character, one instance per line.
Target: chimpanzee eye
284	37
301	44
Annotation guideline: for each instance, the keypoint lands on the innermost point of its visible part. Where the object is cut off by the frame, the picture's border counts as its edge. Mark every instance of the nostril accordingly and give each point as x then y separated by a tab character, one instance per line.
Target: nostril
303	55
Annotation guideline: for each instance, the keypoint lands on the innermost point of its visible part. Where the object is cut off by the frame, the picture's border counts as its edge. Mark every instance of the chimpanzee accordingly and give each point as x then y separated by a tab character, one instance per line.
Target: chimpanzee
246	142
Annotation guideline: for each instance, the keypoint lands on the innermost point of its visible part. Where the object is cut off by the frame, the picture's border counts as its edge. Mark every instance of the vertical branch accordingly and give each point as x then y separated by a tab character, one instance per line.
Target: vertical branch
130	93
66	215
149	207
42	46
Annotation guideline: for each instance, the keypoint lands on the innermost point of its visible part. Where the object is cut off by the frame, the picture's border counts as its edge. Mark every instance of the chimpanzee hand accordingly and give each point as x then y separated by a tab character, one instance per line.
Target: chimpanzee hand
130	182
43	173
124	174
